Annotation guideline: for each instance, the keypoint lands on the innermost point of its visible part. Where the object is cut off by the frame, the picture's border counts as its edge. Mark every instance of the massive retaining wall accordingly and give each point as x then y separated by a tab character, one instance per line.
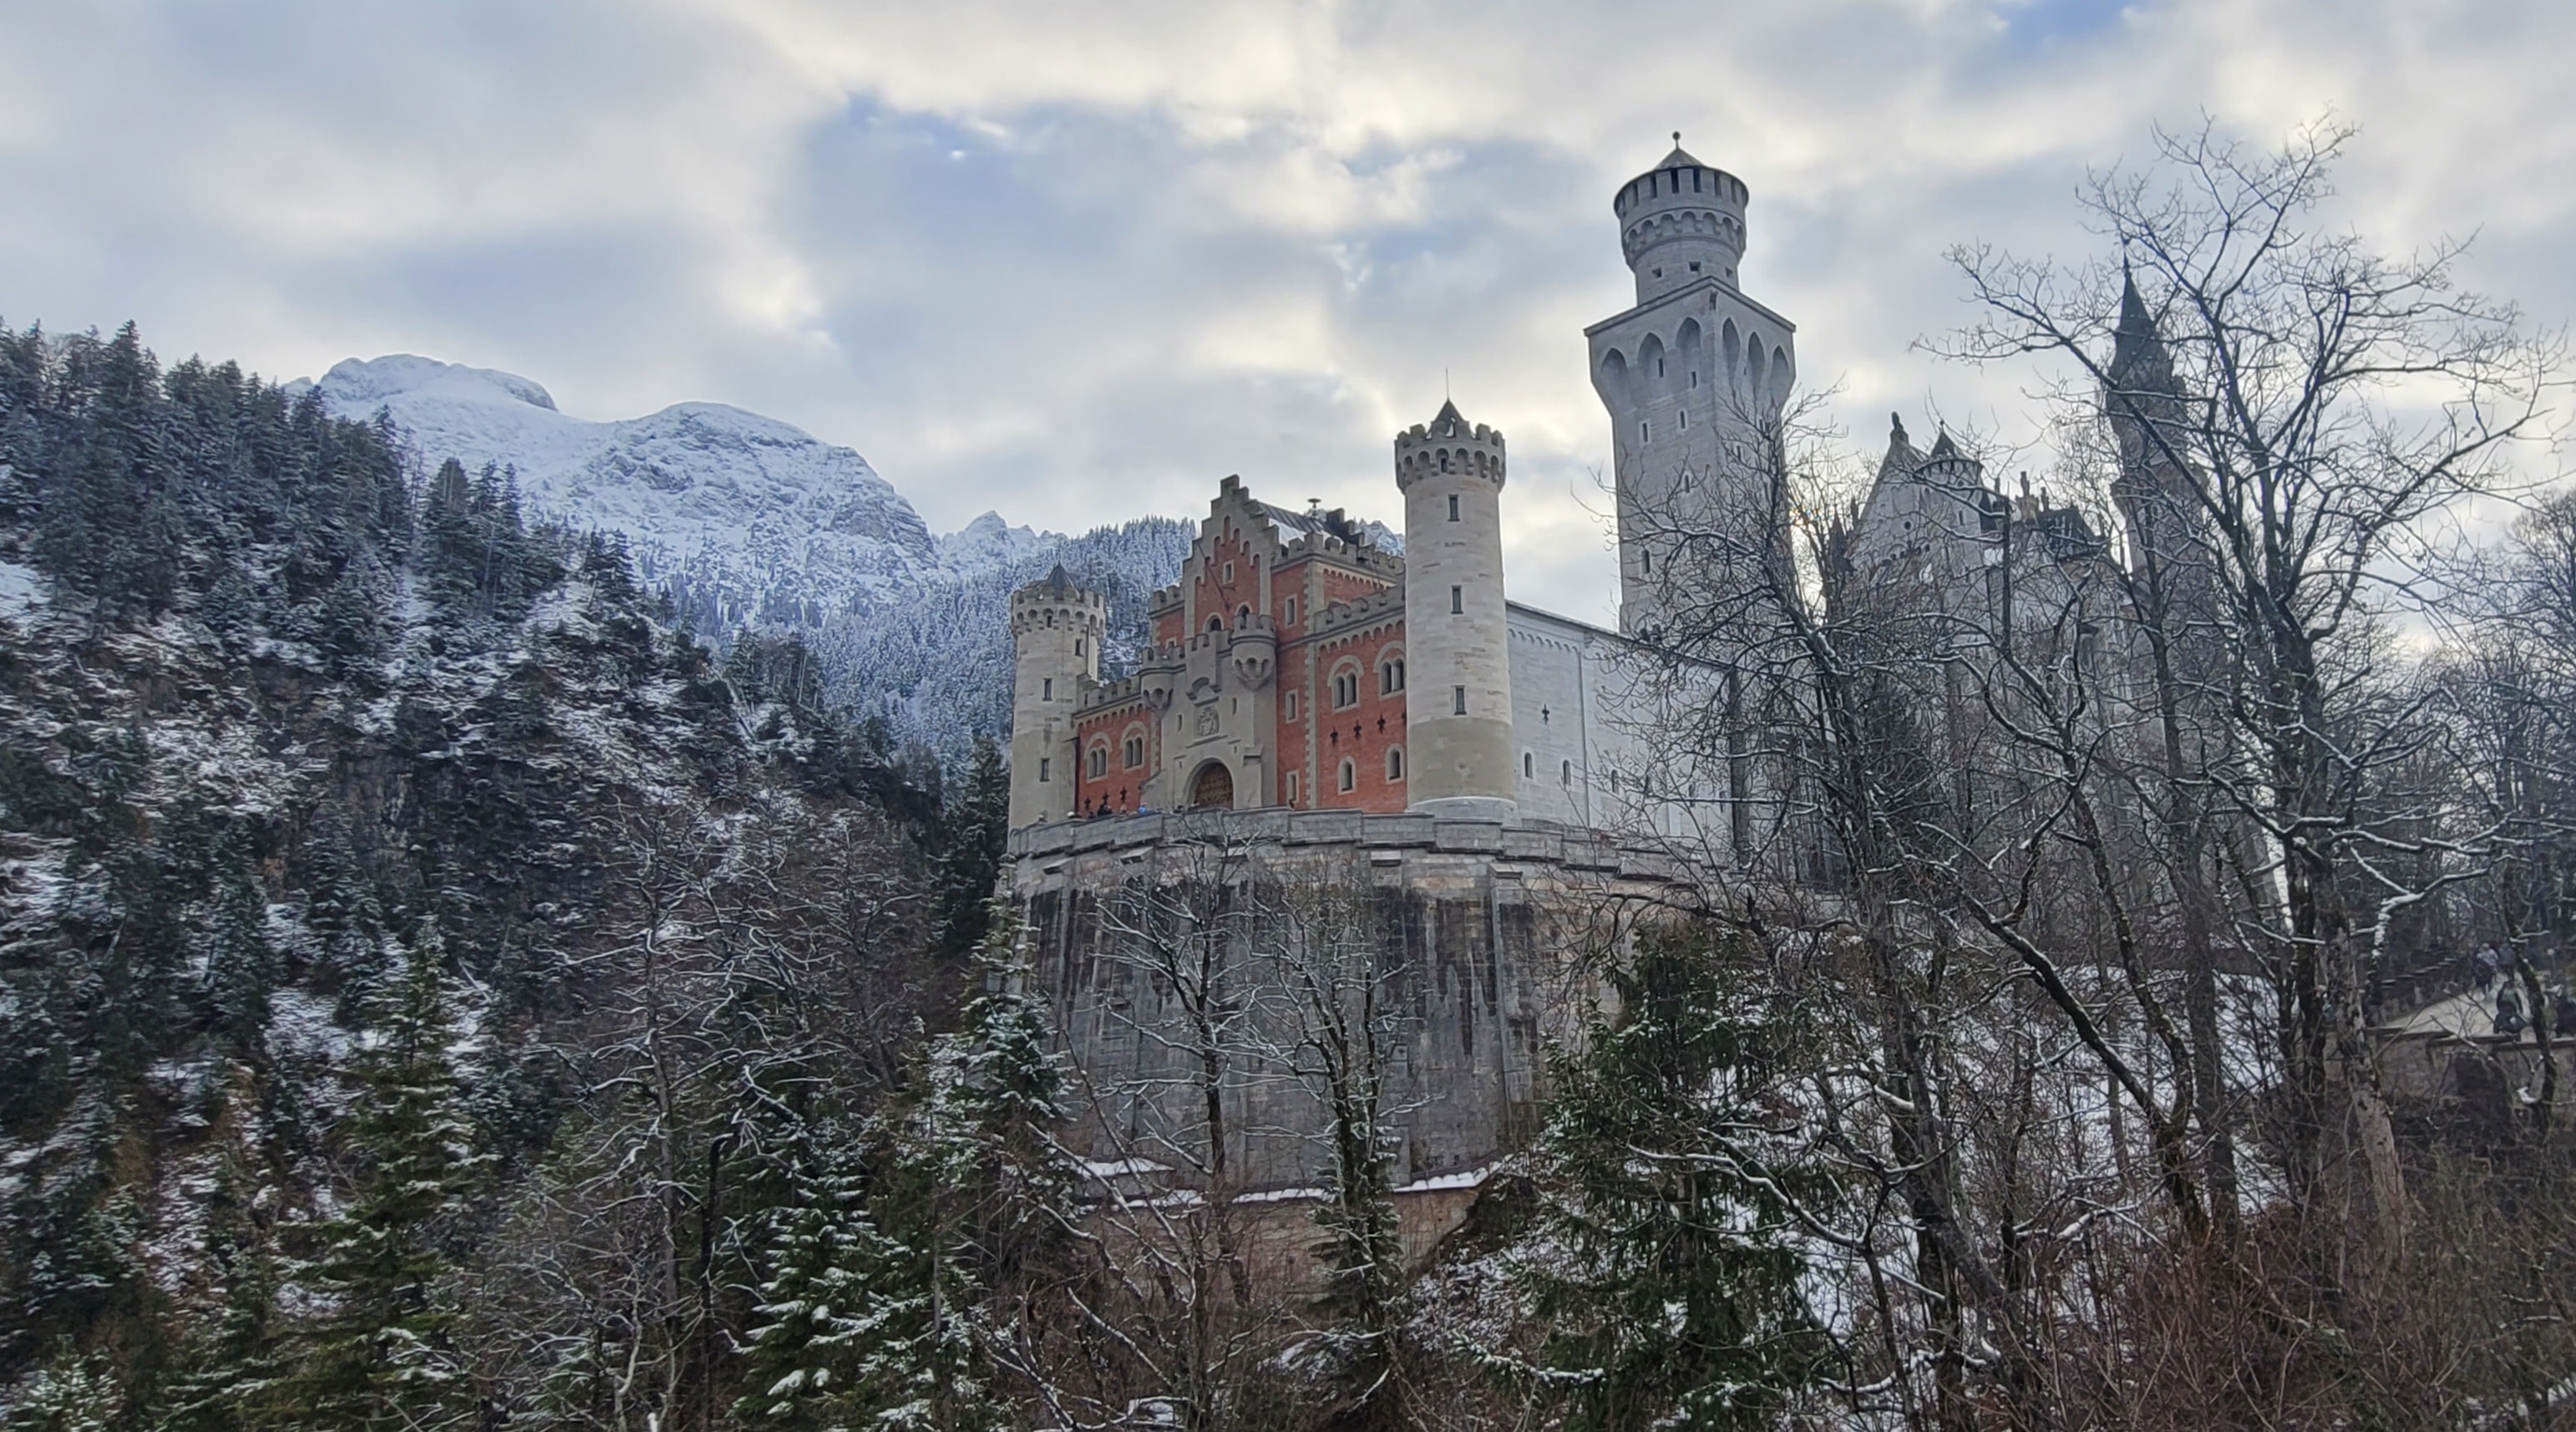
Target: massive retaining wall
1242	971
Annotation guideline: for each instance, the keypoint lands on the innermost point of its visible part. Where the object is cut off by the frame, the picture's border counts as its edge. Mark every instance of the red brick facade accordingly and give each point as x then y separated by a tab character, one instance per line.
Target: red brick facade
1337	613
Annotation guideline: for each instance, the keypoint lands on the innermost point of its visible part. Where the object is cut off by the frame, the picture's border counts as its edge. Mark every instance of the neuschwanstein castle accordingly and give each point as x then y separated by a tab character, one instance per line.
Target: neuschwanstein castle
1297	666
1480	789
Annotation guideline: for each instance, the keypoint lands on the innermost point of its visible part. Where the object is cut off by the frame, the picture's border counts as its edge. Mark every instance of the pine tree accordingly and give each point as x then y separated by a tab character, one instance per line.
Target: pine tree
1662	1262
378	1354
228	1354
970	857
241	970
969	1211
822	1303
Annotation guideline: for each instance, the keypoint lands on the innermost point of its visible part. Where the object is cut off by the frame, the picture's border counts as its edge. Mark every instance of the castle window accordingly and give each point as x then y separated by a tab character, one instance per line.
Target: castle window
1229	571
1453	507
1565	773
1694	377
1346	689
1390	677
1659	363
1242	617
1529	766
1694	266
1648	558
1288	708
1292	611
1292	788
1135	752
1046	688
1216	624
1457	601
1685	418
1043	764
1659	273
1077	646
1645	432
1350	774
1457	701
1395	763
1099	762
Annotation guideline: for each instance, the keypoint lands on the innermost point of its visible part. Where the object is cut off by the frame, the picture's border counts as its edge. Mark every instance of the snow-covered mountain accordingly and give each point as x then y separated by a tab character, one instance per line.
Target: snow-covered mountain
742	518
745	521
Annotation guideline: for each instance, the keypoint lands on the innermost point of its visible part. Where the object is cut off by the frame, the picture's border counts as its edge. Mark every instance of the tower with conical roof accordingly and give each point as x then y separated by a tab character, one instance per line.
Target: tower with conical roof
2143	401
1695	376
1056	628
1457	646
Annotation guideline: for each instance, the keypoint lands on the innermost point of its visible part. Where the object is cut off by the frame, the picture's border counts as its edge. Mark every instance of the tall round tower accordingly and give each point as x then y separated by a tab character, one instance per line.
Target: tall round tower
1695	377
1056	628
1458	688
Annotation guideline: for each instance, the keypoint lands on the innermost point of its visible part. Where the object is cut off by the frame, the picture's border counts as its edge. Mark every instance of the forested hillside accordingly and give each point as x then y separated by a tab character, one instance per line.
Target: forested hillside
432	988
750	525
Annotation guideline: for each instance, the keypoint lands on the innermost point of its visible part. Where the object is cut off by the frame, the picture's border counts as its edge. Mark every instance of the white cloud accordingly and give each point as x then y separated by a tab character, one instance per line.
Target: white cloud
1076	261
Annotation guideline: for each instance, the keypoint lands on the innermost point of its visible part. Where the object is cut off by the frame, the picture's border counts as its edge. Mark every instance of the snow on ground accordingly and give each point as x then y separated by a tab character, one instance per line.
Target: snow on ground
21	590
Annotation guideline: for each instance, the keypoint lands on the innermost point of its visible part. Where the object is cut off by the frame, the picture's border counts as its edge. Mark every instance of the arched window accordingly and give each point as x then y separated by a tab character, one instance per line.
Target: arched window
1565	773
1346	688
1097	759
1390	676
1242	617
1350	774
1216	623
1529	766
1135	752
1395	763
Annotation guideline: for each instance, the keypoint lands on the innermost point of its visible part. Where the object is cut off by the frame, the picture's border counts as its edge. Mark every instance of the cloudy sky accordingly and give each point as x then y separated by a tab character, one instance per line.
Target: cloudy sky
1076	261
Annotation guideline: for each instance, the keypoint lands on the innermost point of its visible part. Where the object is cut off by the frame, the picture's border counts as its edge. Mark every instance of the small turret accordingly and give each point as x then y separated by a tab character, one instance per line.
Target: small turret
1056	629
1679	222
1458	691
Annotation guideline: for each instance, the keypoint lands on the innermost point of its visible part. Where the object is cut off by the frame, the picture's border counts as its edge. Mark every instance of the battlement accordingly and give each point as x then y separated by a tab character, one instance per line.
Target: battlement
1681	222
1367	611
1055	601
1448	445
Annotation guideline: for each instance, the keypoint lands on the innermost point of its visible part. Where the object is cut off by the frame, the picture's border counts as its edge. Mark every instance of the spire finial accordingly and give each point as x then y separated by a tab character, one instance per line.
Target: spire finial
1677	139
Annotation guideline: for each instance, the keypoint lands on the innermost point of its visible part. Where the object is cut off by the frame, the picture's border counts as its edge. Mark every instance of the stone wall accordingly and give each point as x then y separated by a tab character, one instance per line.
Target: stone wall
1463	947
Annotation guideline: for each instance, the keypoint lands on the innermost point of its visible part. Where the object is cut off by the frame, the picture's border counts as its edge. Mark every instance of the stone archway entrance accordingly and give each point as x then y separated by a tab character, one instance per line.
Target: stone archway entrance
1212	788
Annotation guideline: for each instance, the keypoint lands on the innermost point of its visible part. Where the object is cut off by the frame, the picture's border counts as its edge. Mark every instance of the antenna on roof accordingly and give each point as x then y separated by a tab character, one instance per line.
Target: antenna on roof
1444	385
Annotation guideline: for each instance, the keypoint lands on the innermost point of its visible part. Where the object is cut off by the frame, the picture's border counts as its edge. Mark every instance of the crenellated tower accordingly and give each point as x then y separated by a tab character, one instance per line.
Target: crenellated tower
1056	628
1695	378
1458	698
